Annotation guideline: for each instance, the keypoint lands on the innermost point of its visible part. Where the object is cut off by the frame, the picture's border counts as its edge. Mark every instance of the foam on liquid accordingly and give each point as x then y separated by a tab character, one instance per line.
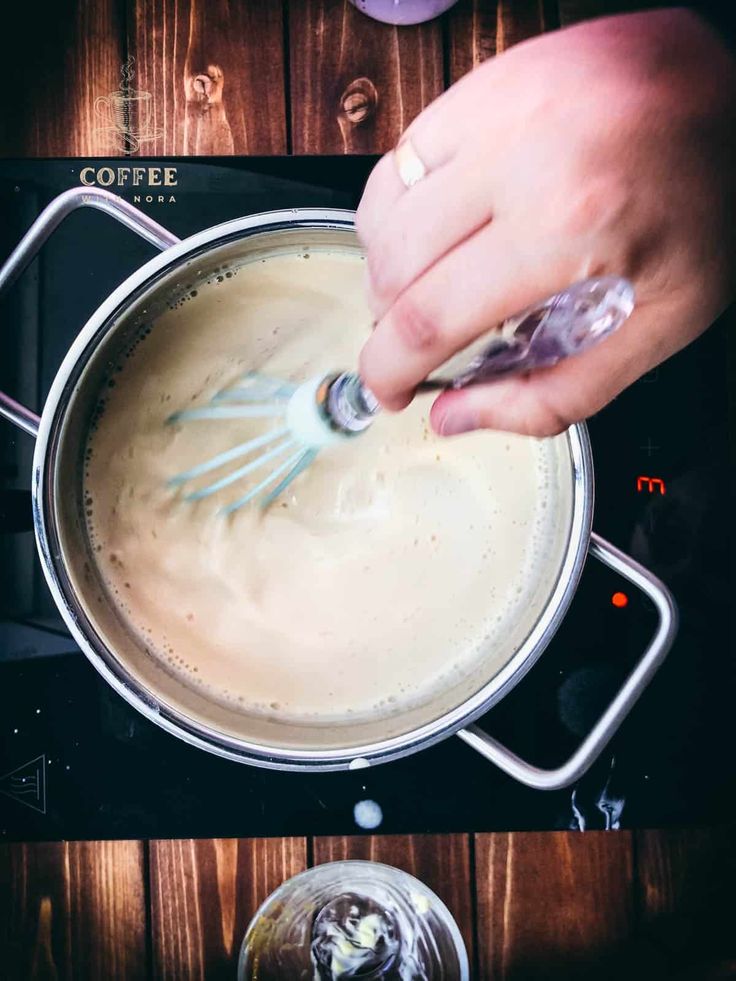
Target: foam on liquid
387	571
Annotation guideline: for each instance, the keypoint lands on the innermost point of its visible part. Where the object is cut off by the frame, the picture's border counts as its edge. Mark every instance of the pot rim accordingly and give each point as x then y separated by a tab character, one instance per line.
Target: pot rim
156	709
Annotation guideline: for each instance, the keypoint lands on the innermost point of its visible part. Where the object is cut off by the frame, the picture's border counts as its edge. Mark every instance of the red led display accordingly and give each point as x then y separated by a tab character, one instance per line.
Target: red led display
650	484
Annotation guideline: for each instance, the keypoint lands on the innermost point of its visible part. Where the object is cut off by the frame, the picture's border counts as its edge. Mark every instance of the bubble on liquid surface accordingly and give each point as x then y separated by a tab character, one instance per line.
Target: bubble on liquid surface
368	814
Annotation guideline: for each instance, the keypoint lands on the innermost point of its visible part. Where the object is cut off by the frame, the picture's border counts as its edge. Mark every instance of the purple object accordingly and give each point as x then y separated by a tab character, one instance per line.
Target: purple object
403	12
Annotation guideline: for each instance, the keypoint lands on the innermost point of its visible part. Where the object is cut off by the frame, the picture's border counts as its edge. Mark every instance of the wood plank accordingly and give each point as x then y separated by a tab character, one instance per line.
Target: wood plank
478	30
203	895
356	84
552	904
77	910
56	62
214	70
686	901
441	861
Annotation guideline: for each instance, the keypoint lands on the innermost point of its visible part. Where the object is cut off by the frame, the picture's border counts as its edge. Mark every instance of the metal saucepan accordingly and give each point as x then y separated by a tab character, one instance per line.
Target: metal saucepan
119	656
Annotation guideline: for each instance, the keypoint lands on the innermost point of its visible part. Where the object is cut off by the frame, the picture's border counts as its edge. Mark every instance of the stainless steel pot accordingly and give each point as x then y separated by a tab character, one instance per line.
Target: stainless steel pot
60	435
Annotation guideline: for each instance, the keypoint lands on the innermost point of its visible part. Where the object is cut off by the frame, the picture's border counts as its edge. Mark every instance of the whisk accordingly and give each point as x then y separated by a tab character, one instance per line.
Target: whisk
329	409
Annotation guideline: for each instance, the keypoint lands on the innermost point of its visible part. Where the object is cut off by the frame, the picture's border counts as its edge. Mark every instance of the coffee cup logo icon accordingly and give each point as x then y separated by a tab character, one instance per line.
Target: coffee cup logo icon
127	114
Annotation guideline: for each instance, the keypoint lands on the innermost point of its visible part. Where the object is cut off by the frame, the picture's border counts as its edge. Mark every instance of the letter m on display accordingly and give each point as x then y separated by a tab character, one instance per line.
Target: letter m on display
651	484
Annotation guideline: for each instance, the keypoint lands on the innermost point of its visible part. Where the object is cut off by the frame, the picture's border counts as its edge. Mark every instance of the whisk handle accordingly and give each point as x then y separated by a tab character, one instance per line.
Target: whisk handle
563	326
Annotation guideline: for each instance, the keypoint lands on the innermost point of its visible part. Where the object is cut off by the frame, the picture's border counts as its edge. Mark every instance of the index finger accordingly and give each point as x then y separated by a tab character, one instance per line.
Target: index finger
469	291
385	187
436	134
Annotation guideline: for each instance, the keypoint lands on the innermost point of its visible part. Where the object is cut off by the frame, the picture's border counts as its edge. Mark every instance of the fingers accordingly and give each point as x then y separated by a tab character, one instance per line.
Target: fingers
424	224
547	402
434	144
436	135
486	279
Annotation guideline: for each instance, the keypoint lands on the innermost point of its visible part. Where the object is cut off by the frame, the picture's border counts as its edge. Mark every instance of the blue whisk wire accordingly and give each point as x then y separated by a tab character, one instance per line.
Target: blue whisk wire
245	400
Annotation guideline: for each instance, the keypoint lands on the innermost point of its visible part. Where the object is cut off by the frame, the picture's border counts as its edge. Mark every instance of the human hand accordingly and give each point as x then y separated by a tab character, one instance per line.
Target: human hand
605	148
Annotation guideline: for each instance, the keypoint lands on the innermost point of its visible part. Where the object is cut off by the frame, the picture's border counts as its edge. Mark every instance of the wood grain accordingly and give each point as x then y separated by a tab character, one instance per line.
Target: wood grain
477	30
441	861
356	84
215	73
77	910
687	908
56	62
203	895
552	905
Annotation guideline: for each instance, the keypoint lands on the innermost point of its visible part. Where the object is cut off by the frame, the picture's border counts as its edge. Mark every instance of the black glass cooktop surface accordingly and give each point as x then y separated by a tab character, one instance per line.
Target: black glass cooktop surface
76	761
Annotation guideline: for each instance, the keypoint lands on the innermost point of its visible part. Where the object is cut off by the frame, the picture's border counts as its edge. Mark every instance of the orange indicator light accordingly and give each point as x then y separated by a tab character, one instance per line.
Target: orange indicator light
620	600
650	484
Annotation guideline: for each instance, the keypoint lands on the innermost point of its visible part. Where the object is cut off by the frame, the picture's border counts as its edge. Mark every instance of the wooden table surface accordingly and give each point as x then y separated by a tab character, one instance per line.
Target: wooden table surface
314	76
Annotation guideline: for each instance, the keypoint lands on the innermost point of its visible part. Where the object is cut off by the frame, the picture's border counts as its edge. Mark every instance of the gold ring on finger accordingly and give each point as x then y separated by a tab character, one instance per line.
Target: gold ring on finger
409	164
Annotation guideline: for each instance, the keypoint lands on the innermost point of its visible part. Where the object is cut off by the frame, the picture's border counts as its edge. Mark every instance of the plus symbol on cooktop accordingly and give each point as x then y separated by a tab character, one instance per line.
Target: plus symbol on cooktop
649	447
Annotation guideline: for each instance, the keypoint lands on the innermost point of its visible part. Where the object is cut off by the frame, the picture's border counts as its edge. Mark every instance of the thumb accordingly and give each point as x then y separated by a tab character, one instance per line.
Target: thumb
514	405
550	400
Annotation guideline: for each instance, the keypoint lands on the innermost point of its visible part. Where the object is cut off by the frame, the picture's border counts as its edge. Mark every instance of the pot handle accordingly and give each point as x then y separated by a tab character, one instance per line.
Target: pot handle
597	739
49	219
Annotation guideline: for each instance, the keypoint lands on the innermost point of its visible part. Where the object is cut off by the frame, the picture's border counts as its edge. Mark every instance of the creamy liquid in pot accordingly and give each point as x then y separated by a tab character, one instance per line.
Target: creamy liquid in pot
386	572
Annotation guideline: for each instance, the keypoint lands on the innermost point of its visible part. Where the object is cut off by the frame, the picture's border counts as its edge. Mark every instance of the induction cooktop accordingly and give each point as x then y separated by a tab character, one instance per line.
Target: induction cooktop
76	761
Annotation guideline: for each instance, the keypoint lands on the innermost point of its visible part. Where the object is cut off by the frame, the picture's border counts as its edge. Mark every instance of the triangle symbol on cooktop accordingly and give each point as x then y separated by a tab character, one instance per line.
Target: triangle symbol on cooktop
27	784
